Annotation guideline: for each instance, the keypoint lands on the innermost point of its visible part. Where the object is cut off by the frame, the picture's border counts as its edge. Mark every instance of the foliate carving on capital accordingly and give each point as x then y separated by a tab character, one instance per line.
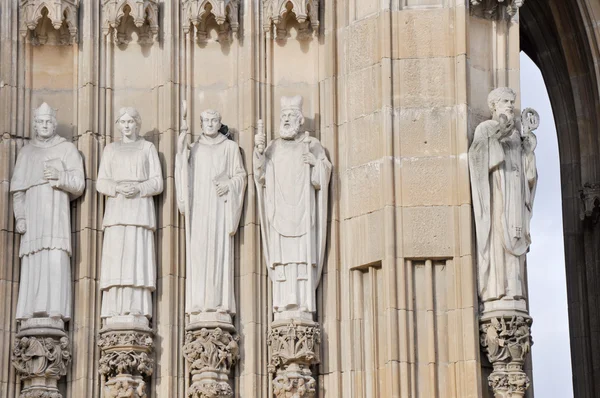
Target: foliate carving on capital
278	12
495	8
62	15
294	349
197	14
143	12
125	353
41	357
507	342
211	355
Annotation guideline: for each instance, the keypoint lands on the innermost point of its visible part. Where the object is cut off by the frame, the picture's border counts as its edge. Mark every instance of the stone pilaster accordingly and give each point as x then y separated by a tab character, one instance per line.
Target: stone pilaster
294	348
41	356
126	360
507	341
211	350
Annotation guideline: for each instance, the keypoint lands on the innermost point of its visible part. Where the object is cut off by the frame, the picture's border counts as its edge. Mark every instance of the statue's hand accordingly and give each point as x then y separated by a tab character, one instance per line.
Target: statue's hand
21	226
260	141
181	141
309	158
132	190
51	173
222	188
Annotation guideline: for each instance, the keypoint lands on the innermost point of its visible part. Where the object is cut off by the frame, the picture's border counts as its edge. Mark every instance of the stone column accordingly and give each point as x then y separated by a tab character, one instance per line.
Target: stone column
294	347
506	341
211	349
41	355
126	360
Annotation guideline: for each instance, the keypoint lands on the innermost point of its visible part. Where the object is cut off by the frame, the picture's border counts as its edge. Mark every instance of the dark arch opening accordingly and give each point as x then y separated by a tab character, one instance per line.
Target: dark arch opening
554	36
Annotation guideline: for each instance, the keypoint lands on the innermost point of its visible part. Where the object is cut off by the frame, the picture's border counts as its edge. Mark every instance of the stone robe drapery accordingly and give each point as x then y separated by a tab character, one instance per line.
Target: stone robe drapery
211	221
292	198
45	285
503	183
128	269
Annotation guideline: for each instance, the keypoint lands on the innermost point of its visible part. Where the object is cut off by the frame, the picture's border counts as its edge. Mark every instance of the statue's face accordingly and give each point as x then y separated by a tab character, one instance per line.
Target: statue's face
44	126
128	126
289	125
506	106
211	124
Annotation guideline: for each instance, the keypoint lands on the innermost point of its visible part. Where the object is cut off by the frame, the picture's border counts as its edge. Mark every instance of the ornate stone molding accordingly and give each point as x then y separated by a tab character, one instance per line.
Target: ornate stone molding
507	342
305	12
124	362
294	348
211	354
143	12
62	15
41	361
590	208
494	8
197	13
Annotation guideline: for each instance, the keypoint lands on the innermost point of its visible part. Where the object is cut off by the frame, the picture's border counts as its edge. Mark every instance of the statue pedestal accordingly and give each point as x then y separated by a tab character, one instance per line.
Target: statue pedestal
211	350
126	358
293	348
506	339
41	356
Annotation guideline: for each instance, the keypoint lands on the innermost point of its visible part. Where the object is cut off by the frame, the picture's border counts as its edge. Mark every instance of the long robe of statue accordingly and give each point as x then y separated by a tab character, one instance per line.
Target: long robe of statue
129	175
48	175
292	180
210	181
503	181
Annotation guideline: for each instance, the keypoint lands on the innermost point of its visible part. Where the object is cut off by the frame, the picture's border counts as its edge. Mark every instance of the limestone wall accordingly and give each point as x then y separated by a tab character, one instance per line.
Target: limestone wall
392	89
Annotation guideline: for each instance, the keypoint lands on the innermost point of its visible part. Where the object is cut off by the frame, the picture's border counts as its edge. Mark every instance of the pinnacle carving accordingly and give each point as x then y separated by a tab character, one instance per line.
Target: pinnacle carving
507	342
144	14
210	355
494	8
125	361
278	12
60	14
197	14
590	198
41	362
294	348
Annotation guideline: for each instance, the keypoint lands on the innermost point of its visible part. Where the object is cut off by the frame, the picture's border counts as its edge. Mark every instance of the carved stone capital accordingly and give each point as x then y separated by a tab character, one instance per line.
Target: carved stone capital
126	358
278	12
41	361
494	9
144	14
507	342
590	207
294	348
61	14
210	354
197	14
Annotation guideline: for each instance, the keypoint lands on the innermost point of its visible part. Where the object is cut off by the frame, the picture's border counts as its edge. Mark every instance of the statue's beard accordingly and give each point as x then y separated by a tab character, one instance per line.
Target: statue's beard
288	132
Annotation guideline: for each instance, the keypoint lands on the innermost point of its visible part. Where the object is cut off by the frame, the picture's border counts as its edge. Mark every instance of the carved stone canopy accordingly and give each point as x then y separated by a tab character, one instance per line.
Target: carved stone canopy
277	12
62	15
493	8
143	12
198	12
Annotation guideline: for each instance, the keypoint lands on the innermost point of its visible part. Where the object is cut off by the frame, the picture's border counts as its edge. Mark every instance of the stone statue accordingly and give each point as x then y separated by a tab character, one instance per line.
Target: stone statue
130	175
48	175
292	178
503	183
210	181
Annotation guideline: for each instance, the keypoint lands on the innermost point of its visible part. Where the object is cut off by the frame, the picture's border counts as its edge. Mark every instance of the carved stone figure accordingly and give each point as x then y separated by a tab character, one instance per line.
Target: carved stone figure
48	175
503	183
210	180
507	341
130	175
292	178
